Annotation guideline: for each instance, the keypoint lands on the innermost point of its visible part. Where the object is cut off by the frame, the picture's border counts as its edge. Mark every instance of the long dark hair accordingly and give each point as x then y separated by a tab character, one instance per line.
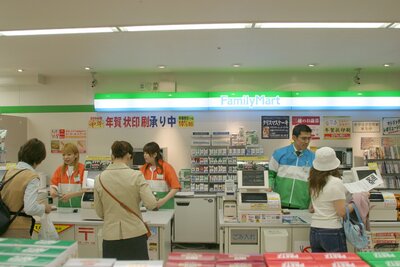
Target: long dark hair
318	180
152	148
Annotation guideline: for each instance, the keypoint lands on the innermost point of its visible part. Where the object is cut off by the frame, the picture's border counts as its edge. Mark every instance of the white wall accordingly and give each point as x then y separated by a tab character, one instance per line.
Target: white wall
78	91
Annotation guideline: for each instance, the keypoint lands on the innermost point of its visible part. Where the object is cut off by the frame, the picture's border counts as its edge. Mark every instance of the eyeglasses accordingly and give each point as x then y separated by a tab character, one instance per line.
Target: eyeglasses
305	138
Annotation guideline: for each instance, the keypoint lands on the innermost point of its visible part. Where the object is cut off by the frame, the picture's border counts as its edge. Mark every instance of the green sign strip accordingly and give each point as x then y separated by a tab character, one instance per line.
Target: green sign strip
46	109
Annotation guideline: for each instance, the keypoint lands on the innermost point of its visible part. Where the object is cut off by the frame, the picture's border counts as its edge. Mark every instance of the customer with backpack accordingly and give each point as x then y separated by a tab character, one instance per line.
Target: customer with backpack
21	193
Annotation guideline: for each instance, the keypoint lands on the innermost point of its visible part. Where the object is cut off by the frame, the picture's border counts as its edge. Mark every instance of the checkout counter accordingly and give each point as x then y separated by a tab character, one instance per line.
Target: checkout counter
251	229
85	227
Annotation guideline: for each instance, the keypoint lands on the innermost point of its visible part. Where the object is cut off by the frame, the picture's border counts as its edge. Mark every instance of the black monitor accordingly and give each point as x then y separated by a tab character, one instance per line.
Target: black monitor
253	179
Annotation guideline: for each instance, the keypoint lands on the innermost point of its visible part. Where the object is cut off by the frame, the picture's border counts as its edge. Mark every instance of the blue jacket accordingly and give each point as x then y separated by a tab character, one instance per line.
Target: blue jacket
288	176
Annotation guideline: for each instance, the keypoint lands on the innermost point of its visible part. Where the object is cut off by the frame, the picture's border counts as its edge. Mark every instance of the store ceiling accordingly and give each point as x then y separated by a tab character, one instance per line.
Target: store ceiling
202	50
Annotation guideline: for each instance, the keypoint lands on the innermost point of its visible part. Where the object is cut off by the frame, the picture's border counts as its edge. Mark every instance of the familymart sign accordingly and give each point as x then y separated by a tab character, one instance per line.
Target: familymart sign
339	100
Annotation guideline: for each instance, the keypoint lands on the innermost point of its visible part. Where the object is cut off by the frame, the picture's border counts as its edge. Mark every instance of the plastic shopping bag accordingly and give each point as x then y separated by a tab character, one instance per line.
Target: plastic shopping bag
47	230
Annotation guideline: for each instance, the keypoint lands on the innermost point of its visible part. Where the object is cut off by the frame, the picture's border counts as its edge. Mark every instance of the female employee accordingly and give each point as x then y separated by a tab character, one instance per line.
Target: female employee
328	203
160	175
66	183
118	191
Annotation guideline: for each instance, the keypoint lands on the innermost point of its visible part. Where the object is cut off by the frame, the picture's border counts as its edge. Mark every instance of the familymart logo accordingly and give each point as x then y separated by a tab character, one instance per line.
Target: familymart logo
250	101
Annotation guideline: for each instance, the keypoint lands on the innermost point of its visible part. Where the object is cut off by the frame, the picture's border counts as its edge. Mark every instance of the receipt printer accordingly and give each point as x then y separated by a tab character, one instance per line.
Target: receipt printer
382	206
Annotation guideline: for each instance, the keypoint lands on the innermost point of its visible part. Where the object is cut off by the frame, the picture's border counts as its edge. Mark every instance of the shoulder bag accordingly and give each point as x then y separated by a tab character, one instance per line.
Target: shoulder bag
5	213
127	208
355	231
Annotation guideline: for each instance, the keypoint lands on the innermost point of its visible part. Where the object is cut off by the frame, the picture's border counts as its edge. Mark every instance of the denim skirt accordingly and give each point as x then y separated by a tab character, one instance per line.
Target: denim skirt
327	240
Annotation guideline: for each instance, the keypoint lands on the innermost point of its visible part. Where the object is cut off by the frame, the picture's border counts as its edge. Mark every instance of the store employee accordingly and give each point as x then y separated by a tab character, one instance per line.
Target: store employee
289	169
66	183
160	175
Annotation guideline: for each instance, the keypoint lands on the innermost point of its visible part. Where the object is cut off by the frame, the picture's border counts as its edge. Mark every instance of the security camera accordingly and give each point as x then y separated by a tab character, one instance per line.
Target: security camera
357	79
94	83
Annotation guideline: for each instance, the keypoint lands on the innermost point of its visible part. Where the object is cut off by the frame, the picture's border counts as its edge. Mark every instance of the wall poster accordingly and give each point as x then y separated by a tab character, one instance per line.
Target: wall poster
391	125
150	121
60	137
366	126
337	127
275	127
314	122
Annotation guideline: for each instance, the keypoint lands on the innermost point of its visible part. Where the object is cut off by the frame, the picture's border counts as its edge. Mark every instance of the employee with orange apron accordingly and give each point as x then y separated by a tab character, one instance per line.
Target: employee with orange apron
160	175
66	183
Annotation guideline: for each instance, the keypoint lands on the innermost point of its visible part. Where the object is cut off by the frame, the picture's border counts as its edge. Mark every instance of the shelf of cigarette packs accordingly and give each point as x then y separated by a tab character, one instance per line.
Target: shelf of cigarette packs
199	169
390	171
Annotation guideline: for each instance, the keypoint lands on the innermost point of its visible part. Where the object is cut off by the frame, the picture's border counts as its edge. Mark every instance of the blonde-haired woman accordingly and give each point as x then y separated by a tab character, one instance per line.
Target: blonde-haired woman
66	182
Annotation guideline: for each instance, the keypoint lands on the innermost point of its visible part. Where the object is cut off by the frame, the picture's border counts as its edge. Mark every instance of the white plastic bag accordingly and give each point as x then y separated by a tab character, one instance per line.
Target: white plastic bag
47	230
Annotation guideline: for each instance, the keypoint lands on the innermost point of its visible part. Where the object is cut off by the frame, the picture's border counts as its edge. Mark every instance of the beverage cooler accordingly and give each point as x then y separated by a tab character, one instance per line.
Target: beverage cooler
195	219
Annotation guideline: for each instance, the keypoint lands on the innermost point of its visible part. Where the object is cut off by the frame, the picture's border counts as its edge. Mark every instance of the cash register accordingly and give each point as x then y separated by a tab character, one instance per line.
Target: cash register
382	204
255	202
87	201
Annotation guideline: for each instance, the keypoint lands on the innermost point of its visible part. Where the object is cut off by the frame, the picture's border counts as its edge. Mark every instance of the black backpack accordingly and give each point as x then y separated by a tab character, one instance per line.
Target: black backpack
5	213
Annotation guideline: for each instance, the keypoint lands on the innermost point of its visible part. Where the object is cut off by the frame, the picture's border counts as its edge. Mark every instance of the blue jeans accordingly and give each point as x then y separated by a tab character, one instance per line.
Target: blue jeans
327	240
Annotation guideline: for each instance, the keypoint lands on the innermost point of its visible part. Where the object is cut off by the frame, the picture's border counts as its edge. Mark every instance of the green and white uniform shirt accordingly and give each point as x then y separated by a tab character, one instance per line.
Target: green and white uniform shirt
288	176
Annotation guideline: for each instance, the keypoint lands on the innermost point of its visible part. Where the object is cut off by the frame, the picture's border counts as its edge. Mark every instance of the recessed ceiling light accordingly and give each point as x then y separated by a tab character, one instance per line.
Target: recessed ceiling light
161	67
311	65
237	65
20	70
88	68
387	64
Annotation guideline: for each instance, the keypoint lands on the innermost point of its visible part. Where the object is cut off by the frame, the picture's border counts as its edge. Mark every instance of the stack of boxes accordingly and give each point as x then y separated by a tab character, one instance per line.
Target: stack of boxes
28	252
362	259
381	259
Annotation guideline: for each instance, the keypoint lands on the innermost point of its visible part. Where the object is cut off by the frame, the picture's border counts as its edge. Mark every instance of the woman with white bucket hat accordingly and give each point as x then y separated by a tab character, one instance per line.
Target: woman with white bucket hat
328	202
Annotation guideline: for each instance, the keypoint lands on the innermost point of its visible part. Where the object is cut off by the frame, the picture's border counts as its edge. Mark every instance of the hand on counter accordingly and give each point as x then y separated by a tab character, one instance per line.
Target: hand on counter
47	208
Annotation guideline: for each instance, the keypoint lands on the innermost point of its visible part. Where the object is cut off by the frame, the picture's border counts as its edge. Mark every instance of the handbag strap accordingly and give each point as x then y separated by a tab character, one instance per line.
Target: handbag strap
356	211
2	184
123	205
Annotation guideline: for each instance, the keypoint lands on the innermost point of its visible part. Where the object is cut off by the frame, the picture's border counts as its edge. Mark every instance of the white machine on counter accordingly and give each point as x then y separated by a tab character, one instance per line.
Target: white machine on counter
229	202
255	203
382	204
87	201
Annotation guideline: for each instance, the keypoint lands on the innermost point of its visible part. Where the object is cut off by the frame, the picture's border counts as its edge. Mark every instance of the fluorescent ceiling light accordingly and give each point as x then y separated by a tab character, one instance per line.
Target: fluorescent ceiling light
58	31
179	27
395	26
322	25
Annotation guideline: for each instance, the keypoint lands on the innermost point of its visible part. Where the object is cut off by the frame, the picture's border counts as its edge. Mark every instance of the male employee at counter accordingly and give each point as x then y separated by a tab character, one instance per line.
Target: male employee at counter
289	169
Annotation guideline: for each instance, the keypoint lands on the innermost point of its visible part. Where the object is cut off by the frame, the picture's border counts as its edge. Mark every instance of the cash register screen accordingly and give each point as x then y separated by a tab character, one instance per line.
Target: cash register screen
362	172
88	179
253	179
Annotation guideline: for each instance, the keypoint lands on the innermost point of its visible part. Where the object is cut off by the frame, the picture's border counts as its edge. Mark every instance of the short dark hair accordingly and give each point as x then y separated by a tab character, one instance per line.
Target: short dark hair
301	128
32	152
120	148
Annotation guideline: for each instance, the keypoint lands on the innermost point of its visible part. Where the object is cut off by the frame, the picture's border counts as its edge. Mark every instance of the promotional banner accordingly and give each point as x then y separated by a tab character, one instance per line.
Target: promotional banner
275	127
337	128
60	137
391	125
150	121
366	126
314	122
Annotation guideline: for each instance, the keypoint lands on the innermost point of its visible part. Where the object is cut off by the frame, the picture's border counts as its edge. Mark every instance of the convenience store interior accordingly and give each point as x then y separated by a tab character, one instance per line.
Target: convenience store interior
67	70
